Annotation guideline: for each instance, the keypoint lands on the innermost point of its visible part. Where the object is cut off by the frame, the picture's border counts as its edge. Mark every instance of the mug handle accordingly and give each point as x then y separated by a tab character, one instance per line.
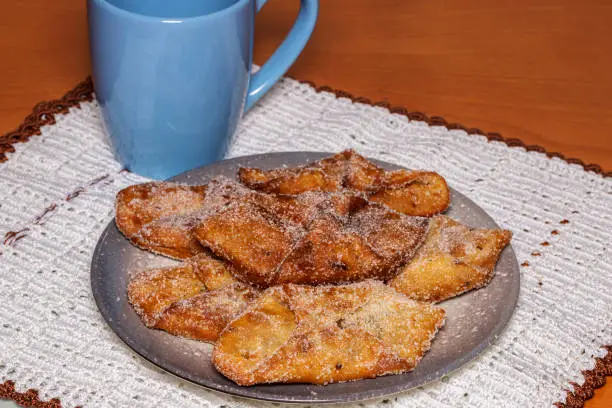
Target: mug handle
286	54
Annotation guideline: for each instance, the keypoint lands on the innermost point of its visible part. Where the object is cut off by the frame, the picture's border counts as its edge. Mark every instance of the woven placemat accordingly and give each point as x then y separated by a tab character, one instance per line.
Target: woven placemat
58	194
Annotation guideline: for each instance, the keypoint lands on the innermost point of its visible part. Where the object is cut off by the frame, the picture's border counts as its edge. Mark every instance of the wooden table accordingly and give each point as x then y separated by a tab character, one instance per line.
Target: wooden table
537	70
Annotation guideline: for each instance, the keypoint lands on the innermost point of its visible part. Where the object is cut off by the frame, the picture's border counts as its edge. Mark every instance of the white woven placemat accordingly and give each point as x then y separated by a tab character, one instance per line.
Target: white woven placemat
58	192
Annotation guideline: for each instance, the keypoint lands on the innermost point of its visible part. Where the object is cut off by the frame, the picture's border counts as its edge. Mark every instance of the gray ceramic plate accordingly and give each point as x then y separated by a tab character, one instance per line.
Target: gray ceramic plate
473	323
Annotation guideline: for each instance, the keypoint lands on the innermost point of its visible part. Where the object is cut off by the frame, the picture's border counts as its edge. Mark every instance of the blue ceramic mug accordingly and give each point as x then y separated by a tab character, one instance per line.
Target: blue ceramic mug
173	77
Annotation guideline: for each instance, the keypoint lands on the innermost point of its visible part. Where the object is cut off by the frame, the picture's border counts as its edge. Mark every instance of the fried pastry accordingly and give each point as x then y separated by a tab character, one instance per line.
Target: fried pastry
419	193
368	242
170	236
159	216
346	239
156	216
163	224
195	299
289	181
249	238
453	259
326	334
140	204
423	193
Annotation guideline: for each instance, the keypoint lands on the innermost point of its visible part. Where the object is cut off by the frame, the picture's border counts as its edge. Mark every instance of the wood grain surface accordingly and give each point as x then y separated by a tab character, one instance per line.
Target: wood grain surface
537	70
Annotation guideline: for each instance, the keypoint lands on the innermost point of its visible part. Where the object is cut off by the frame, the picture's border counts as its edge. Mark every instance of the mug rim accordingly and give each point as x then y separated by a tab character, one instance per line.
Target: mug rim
126	13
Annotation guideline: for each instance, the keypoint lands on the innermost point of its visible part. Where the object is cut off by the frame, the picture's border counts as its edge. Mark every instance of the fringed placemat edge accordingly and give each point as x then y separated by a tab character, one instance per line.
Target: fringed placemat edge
43	114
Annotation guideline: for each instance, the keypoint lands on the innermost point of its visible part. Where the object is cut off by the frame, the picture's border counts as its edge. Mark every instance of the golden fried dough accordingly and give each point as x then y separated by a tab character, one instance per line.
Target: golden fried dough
138	205
369	242
288	181
249	238
297	210
453	260
170	236
162	225
421	193
195	299
212	272
329	254
159	216
326	334
153	291
418	193
353	170
345	238
204	316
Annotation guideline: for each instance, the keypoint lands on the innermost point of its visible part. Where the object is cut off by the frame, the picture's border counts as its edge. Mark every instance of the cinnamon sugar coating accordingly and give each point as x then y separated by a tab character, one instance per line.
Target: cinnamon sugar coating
325	334
195	299
454	259
418	193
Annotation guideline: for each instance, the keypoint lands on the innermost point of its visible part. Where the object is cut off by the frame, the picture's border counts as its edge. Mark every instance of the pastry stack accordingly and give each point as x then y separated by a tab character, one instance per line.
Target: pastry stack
321	273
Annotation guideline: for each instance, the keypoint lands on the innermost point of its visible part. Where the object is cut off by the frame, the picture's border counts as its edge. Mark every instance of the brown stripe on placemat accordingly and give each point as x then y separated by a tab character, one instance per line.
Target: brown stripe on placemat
44	114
